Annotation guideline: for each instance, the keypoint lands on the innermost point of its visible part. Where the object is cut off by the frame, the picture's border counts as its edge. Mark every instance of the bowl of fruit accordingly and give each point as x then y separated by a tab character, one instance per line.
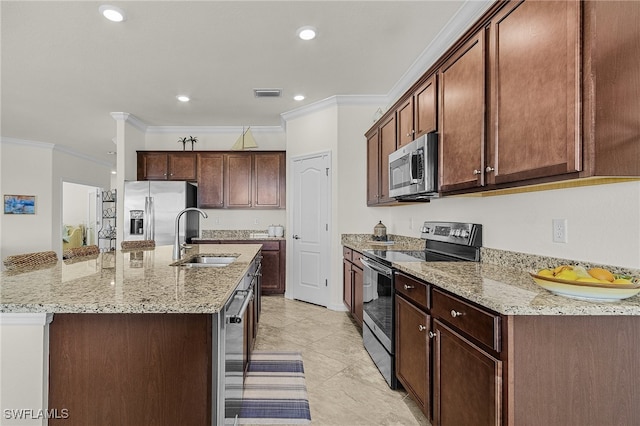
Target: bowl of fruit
595	284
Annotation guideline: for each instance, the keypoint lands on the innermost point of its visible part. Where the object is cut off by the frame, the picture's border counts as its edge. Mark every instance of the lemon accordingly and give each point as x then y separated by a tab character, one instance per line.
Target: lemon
621	281
561	268
545	273
567	275
601	274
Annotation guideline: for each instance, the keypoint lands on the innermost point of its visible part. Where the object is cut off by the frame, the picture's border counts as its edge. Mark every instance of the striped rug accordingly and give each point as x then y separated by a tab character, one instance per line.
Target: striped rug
274	390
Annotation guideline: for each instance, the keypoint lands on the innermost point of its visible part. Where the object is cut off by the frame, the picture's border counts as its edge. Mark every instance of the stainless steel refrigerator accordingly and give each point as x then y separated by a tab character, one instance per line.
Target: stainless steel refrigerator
151	207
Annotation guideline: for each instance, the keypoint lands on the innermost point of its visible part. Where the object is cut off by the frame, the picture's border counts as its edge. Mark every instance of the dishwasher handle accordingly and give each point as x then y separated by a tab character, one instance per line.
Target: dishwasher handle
237	318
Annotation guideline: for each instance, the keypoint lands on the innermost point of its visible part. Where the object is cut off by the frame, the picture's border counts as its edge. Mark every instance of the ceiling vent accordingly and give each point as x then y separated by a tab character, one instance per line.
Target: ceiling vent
267	93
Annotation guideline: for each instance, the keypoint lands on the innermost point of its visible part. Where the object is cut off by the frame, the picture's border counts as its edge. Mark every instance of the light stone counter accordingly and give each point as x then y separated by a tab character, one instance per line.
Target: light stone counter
140	281
500	281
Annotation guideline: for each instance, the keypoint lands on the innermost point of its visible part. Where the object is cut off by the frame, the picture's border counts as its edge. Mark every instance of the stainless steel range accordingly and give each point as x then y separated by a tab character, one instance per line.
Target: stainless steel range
444	242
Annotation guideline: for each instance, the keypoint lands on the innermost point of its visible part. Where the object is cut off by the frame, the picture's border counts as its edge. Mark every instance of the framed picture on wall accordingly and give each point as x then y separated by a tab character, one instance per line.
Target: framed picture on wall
19	204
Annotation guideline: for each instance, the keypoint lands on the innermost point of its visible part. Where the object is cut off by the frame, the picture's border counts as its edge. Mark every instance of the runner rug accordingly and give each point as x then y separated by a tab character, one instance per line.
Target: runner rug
274	390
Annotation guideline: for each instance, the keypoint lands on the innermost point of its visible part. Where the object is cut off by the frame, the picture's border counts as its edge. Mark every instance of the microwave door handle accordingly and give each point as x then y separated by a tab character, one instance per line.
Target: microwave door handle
413	167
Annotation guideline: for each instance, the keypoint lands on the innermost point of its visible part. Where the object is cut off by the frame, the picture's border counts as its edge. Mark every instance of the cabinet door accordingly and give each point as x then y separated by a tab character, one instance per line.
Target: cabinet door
406	130
373	168
152	166
462	117
412	352
271	272
269	180
237	183
467	381
347	284
425	102
387	146
182	166
535	69
210	180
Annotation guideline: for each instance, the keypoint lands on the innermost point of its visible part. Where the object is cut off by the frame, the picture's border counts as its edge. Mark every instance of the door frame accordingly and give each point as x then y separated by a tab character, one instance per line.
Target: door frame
289	293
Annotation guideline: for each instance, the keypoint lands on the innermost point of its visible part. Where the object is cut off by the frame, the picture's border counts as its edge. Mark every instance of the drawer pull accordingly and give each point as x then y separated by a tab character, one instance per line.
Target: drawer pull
421	327
409	287
432	334
455	313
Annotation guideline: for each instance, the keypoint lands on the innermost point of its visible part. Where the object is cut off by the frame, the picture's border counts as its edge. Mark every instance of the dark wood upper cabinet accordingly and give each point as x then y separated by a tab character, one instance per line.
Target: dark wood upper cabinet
404	115
425	100
154	165
462	118
237	185
269	180
380	144
535	72
373	167
210	180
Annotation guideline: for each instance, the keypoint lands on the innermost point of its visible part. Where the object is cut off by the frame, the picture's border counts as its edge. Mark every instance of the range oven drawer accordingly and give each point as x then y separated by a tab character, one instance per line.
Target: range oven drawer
481	325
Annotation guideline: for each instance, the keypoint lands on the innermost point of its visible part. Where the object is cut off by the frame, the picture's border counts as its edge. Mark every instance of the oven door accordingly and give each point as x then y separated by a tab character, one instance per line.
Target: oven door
378	313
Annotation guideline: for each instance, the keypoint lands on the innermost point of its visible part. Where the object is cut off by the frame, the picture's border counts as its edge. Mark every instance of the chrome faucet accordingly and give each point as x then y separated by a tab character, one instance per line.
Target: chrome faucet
177	252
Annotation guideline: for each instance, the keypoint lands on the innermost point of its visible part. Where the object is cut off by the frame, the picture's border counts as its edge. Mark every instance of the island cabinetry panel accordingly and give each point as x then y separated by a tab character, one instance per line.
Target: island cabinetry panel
534	59
413	340
462	100
380	144
157	165
131	369
274	255
210	180
353	283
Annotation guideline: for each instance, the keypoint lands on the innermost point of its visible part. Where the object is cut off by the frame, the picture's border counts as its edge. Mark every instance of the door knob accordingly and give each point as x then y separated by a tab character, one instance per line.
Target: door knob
296	237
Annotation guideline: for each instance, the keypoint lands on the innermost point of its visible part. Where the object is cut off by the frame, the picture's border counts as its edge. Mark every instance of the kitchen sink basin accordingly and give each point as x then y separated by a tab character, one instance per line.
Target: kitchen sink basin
212	261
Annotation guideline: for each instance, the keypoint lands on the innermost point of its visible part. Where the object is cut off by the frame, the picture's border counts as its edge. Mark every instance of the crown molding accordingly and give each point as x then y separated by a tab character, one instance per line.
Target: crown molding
58	148
213	129
466	16
130	118
337	100
24	142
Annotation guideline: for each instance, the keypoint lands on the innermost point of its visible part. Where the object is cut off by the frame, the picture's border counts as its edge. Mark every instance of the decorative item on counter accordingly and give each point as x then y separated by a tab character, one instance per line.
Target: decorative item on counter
279	231
380	232
271	230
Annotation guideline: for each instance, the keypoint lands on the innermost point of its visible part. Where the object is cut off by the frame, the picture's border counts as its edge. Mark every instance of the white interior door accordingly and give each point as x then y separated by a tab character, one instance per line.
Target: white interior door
310	233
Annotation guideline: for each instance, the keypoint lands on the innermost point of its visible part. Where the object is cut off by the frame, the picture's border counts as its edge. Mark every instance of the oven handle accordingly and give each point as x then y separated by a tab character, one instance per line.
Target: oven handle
378	268
237	318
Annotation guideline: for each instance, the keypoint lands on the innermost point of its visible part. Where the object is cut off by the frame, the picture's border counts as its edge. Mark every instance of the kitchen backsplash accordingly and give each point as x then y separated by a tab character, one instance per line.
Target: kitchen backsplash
235	234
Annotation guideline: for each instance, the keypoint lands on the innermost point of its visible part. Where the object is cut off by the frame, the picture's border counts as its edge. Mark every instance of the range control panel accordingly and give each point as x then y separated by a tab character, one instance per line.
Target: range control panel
468	234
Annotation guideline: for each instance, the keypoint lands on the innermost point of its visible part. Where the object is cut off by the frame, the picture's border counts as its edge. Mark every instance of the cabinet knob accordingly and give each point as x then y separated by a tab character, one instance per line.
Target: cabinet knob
489	169
477	172
421	327
455	313
409	287
432	335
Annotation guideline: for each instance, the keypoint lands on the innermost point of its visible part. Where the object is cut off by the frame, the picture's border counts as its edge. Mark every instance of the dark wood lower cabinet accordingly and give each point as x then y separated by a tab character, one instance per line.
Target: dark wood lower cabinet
353	284
412	352
131	369
467	388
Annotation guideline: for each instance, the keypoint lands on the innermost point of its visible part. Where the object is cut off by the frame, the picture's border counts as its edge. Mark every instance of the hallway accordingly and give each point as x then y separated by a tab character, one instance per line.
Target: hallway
343	384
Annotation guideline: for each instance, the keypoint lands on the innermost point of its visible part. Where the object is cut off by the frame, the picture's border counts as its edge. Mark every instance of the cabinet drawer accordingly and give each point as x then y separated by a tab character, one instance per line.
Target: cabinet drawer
355	258
347	253
412	289
475	322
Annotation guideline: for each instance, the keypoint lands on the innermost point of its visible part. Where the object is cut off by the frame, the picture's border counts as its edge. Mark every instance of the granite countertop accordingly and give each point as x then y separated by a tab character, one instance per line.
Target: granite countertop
135	281
501	282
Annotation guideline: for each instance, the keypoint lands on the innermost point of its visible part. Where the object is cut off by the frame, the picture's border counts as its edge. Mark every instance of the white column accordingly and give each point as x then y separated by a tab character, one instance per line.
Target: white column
24	368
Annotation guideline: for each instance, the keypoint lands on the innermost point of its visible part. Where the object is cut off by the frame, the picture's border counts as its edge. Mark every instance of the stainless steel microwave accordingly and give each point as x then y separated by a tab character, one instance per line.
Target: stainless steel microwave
413	170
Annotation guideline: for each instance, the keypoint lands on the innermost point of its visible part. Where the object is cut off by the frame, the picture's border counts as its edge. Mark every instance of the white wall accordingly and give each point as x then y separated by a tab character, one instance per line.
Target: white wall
75	199
27	170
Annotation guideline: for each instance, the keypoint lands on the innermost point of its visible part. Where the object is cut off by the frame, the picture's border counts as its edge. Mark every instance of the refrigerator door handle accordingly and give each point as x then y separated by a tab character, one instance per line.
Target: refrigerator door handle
152	219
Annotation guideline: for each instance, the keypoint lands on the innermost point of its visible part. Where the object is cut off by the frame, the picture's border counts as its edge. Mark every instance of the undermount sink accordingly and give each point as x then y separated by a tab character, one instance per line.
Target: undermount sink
206	260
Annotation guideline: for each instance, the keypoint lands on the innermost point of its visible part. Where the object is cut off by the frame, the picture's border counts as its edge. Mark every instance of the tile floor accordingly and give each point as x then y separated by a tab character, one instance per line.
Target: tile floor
344	386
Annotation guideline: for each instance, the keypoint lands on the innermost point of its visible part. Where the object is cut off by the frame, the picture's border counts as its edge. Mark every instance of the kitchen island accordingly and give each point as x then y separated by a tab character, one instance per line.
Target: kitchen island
497	349
133	338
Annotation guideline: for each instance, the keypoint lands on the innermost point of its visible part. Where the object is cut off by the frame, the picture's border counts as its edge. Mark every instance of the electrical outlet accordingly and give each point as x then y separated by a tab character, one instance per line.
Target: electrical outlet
217	221
560	230
256	221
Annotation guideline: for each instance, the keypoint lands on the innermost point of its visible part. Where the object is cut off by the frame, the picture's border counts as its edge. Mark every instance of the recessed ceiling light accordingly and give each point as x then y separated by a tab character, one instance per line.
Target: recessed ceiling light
183	98
112	13
298	98
306	33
